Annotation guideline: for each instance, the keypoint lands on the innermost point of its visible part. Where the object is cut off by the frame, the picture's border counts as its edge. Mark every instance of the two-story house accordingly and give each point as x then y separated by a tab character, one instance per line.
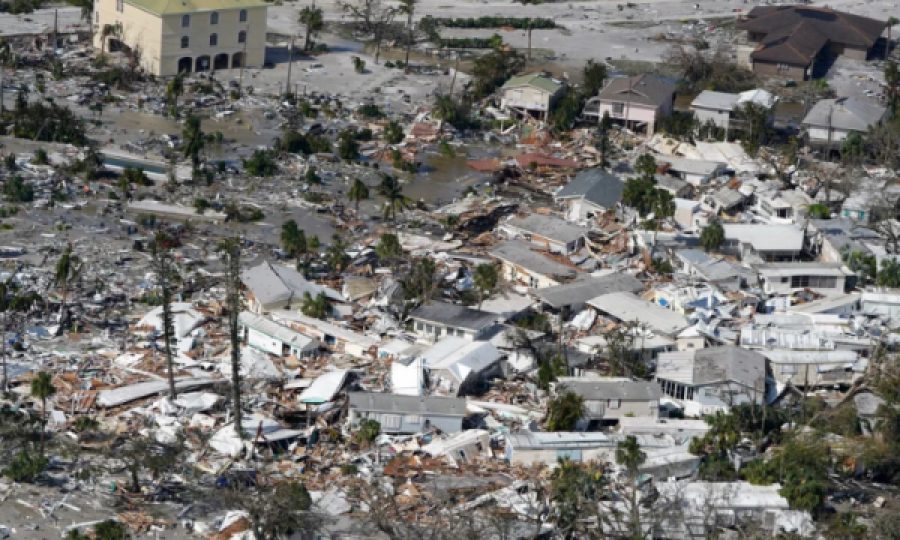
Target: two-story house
636	102
532	94
184	36
725	110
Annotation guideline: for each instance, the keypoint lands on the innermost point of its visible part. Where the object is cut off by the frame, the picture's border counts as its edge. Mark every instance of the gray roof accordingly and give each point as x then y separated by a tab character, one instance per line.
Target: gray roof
549	227
270	284
582	290
400	404
277	331
624	390
669	182
787	269
844	113
521	254
455	316
690	166
727	197
693	256
766	237
720	101
729	362
627	307
596	186
641	89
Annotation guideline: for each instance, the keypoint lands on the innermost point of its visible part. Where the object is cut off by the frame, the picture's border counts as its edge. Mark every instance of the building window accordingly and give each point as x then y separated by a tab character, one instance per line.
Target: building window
412	419
390	421
214	18
213	40
613	404
618	108
243	16
789	369
420	326
185	42
816	282
242	36
120	5
97	17
185	21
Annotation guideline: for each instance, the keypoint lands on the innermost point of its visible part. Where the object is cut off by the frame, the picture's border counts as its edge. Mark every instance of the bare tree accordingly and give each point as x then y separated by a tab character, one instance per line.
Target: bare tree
163	263
372	17
230	251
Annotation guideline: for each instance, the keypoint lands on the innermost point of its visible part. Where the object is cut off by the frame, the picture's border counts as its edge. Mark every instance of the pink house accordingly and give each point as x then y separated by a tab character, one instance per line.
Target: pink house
635	101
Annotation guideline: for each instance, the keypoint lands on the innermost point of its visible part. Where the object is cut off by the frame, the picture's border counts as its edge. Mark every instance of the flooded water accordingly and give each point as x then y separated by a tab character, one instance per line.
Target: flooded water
443	178
242	132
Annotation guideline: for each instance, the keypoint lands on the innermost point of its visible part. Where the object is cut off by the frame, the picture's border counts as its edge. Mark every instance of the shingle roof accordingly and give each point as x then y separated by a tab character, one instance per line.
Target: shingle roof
594	185
172	7
537	80
729	363
794	34
641	89
549	227
270	284
455	316
521	254
721	101
401	404
624	390
846	113
580	291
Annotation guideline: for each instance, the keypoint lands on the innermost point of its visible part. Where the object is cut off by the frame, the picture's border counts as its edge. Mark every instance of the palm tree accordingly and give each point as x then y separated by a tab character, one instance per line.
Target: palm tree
358	192
891	22
193	141
174	89
444	109
485	280
564	411
629	454
293	239
713	236
42	388
336	254
311	17
408	8
663	207
889	274
390	189
68	269
317	308
163	264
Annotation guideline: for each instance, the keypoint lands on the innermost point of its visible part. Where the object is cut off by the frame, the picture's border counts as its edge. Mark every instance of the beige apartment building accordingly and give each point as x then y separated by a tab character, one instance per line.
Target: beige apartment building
177	36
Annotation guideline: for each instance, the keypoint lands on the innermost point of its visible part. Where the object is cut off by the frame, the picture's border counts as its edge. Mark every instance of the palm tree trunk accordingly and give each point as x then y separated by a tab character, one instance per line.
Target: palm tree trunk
306	40
409	36
43	422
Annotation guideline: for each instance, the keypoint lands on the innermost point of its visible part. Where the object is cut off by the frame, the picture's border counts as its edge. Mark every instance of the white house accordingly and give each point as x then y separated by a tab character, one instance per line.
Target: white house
724	110
269	336
785	278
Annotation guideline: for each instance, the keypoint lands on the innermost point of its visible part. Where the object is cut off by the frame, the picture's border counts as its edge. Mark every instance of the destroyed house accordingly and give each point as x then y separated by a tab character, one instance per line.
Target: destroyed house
625	307
549	232
529	447
614	399
573	296
811	368
456	365
269	336
712	379
336	339
788	40
407	414
590	193
438	319
521	264
270	287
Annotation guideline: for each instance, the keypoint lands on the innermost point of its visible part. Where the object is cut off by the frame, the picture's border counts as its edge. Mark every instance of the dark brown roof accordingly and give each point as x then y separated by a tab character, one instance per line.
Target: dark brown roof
794	34
642	89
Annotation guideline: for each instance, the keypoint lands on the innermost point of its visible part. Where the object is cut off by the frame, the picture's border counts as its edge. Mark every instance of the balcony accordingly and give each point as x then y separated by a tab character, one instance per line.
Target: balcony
526	105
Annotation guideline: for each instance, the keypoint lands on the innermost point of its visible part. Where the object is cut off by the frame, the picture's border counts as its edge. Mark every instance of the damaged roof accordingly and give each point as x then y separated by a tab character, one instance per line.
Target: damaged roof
594	185
621	389
589	287
455	316
521	254
848	113
401	404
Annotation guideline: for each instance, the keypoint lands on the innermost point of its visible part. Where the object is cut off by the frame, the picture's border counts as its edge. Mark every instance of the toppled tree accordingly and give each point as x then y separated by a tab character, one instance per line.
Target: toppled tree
162	261
141	454
275	512
230	252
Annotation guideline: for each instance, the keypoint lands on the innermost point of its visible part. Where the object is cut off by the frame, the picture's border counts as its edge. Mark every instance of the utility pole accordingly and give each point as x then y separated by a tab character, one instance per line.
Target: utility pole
55	29
243	62
455	71
529	42
287	86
